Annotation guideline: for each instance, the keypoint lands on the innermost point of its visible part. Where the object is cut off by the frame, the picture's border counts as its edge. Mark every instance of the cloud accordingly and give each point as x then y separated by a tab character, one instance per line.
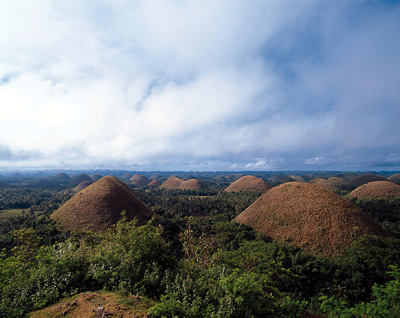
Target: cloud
191	84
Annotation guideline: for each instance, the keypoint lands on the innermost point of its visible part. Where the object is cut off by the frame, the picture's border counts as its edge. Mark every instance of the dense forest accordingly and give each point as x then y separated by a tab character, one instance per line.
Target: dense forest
198	263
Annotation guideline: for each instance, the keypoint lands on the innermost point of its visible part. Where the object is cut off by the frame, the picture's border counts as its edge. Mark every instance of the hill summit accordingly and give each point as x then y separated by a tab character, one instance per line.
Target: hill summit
99	205
377	189
249	183
310	217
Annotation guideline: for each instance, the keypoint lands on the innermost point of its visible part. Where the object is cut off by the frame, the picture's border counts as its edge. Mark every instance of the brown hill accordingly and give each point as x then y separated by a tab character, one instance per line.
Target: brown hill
333	184
78	179
155	183
309	217
395	178
155	176
297	178
82	186
173	182
139	180
363	179
100	205
249	183
192	184
61	178
377	189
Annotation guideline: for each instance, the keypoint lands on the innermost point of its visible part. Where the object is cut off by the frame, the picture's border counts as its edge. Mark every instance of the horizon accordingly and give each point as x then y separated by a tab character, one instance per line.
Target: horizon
200	86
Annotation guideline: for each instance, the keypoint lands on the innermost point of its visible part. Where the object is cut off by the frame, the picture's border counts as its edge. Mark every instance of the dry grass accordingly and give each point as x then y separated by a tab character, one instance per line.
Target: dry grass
97	304
139	180
100	205
82	186
249	183
155	183
395	178
377	189
192	184
78	179
334	184
363	179
172	183
309	217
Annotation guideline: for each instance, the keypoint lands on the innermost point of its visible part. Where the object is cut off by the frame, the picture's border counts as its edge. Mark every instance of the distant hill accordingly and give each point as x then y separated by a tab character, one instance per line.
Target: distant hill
395	178
155	183
192	184
173	182
333	184
139	180
61	178
99	205
96	177
78	179
377	189
279	179
363	179
310	217
82	185
249	183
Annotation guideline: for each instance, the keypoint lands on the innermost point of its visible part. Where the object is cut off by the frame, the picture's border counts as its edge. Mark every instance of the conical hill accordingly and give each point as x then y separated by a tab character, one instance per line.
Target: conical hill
395	178
78	179
249	183
192	184
309	217
99	205
377	189
363	179
173	182
139	180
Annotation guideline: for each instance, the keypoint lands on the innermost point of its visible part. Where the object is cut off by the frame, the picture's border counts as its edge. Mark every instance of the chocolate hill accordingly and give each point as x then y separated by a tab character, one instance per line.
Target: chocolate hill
78	179
249	183
96	177
155	183
61	178
279	179
377	189
395	178
82	185
139	180
333	184
192	184
100	205
297	178
173	182
310	217
363	179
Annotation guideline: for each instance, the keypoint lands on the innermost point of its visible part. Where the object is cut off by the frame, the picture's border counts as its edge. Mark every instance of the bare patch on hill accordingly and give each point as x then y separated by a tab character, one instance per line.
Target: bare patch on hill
97	304
310	217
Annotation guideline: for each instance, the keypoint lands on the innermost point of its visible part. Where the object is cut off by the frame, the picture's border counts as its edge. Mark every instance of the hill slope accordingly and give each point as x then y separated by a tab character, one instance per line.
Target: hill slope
99	205
377	189
249	183
309	217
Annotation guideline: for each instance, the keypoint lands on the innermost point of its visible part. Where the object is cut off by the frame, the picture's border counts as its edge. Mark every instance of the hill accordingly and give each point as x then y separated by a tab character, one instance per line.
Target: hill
78	179
155	183
192	184
363	179
139	180
82	185
61	178
377	189
395	178
249	183
333	184
173	182
100	205
309	217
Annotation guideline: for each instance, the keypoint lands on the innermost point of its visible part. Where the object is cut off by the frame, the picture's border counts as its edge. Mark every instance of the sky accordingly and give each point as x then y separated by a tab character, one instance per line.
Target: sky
200	85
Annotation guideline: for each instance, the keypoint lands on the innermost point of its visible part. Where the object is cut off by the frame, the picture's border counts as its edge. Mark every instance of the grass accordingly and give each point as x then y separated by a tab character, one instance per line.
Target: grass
8	214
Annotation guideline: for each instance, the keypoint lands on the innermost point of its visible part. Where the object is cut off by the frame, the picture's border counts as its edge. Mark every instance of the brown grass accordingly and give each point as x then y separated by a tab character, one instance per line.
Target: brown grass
155	183
363	179
192	184
395	178
139	180
100	205
377	189
97	304
173	182
78	179
334	184
249	183
309	217
82	186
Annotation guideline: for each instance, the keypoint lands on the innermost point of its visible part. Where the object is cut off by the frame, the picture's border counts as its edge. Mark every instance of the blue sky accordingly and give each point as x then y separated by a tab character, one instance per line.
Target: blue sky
200	85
